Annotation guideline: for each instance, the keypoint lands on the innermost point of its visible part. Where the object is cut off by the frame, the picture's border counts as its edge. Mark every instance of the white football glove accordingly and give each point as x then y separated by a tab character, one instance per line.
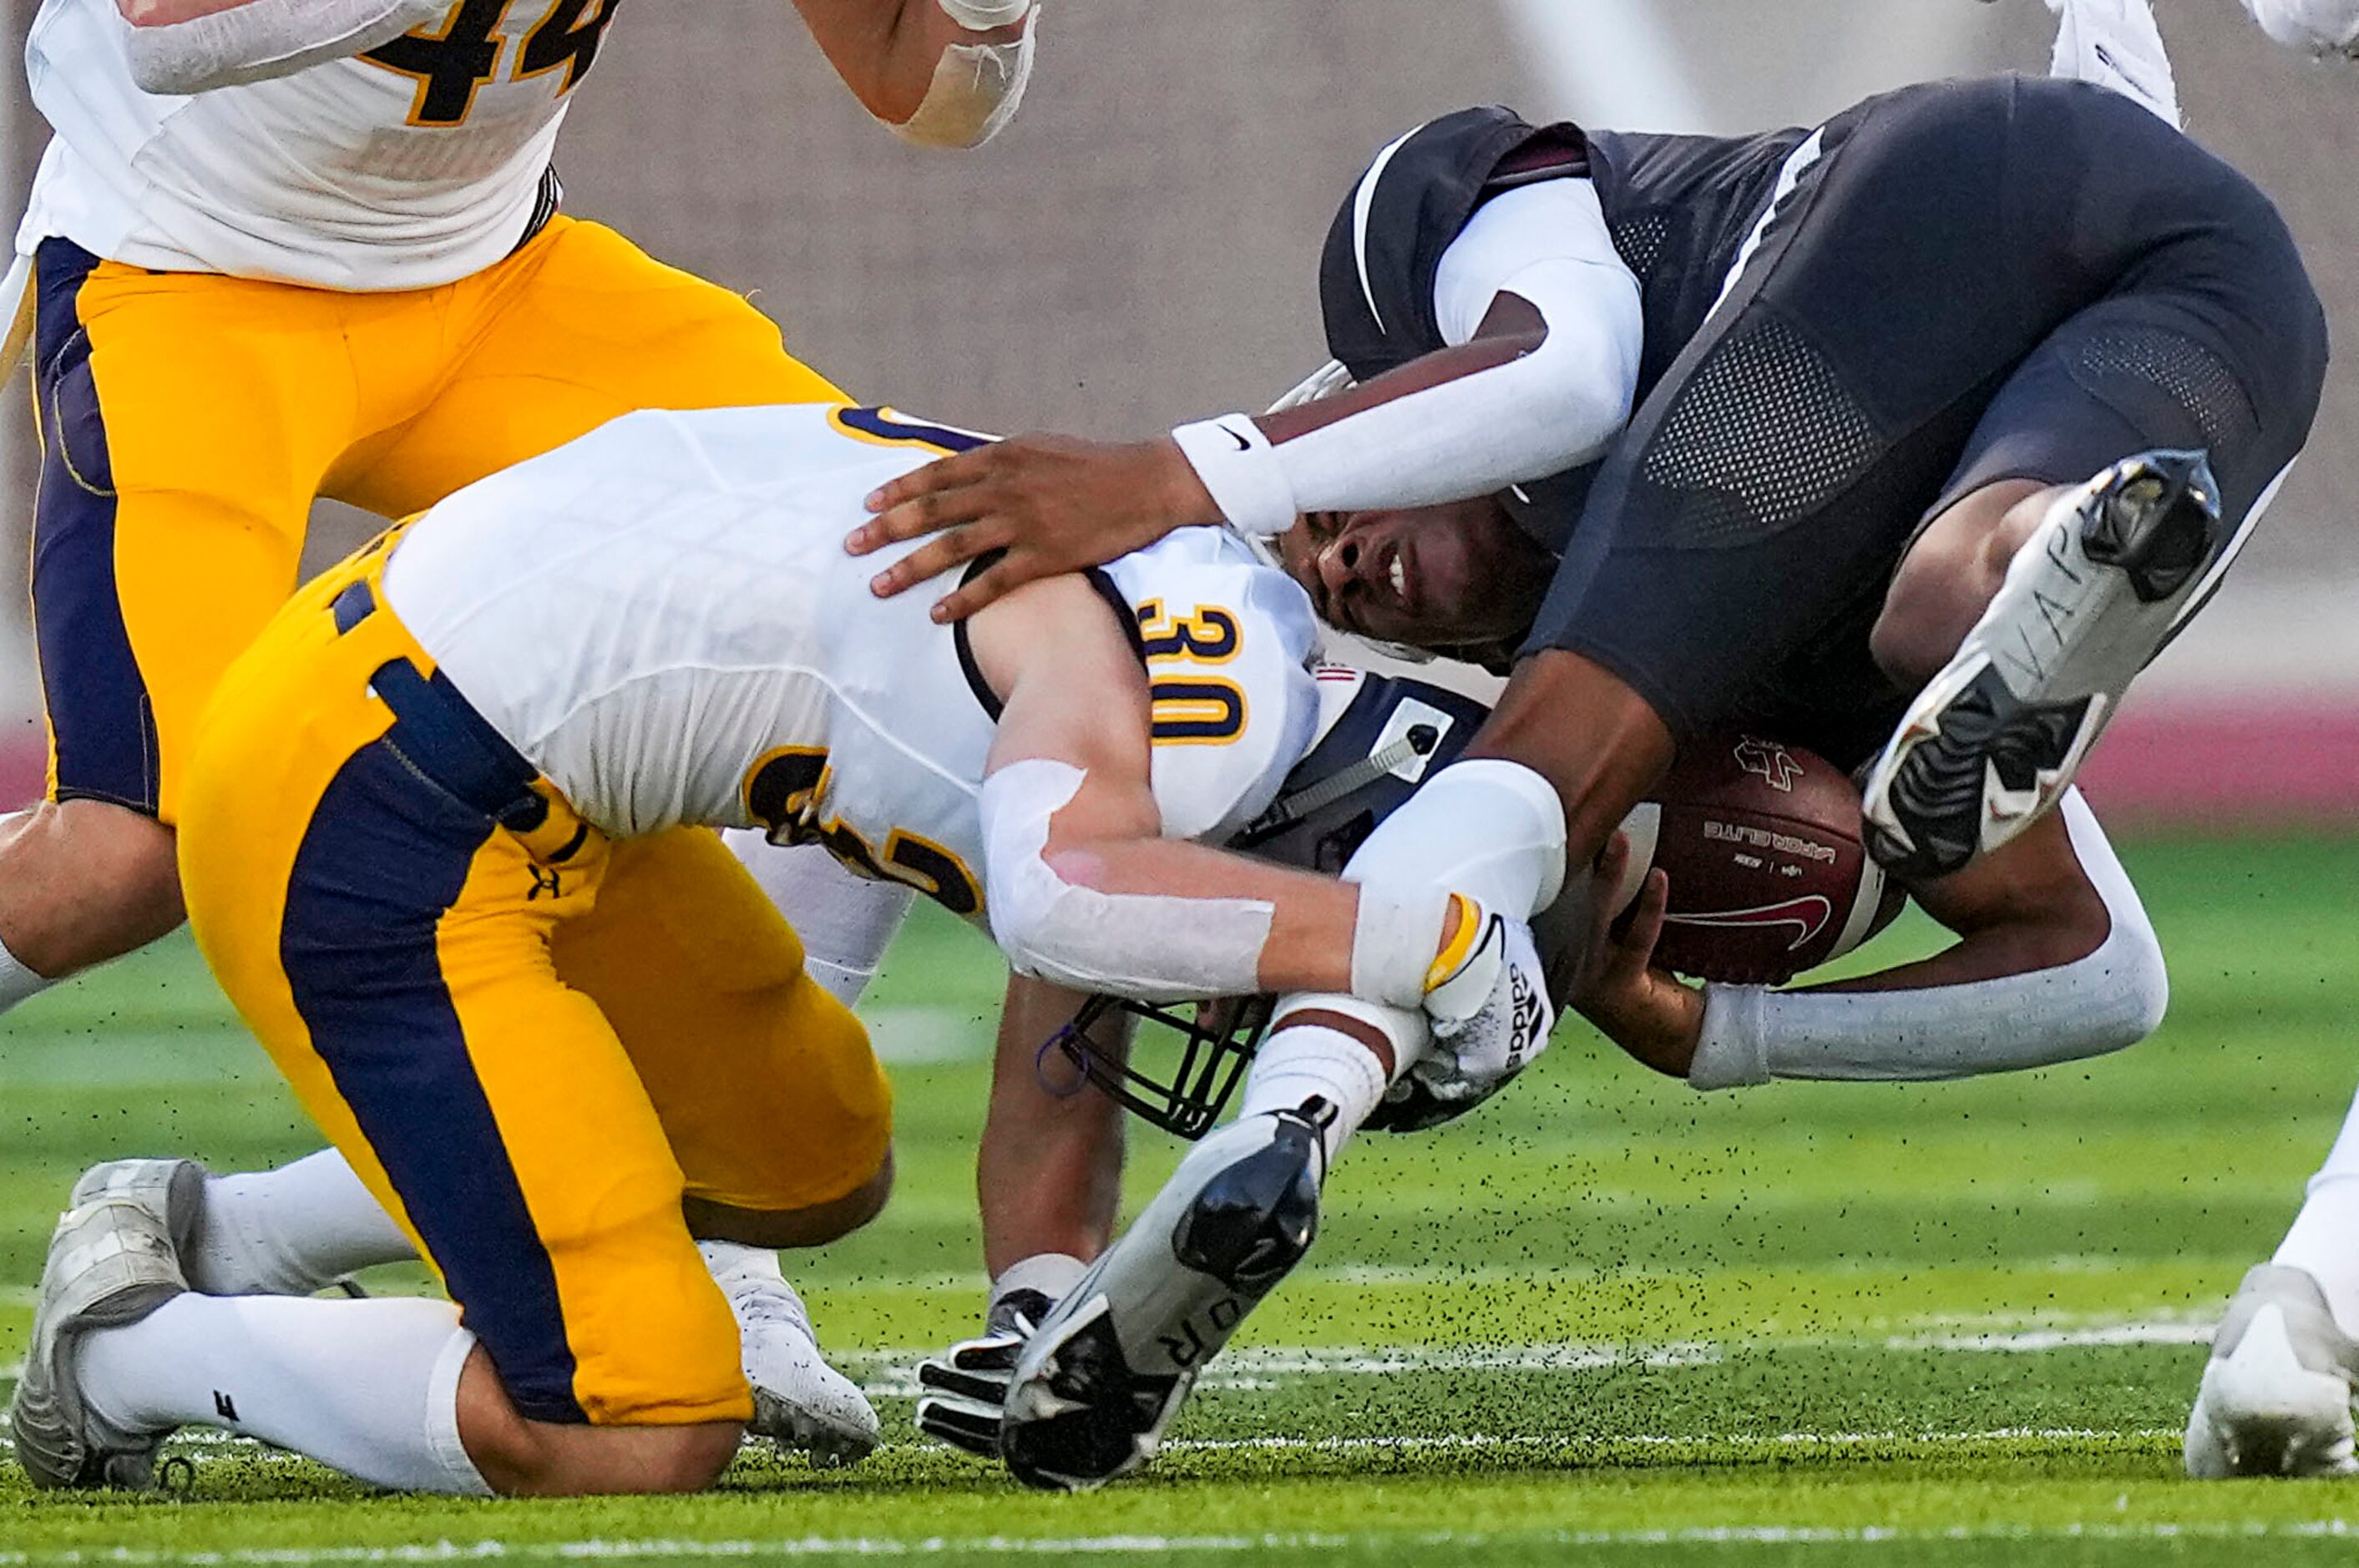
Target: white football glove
1491	1017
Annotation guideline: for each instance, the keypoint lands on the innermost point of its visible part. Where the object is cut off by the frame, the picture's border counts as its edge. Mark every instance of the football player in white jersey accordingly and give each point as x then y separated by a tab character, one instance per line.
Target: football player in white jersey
454	778
285	248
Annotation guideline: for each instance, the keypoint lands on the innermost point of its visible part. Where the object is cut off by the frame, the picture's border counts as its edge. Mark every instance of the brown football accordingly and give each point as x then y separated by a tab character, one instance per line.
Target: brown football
1768	874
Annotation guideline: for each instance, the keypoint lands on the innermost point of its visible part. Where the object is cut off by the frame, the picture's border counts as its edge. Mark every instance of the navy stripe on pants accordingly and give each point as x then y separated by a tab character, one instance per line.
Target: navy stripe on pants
97	699
385	856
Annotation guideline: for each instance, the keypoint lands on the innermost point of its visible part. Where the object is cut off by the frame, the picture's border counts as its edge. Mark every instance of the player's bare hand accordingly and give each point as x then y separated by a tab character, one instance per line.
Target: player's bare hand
1052	502
1643	1009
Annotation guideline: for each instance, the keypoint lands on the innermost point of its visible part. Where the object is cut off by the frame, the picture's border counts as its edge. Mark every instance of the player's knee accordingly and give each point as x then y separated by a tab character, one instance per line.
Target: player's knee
84	881
1949	575
814	1224
685	1458
615	1461
522	1458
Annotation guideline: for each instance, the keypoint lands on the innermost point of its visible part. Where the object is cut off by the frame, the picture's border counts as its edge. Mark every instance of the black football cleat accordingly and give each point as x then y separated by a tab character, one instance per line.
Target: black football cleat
1996	738
1101	1378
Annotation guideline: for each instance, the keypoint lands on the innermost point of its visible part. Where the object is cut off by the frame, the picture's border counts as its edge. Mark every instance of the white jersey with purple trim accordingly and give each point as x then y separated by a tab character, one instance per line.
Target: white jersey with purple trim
662	618
419	163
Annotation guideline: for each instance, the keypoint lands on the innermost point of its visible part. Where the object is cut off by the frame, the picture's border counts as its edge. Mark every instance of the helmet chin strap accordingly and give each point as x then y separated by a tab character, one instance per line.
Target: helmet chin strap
1419	741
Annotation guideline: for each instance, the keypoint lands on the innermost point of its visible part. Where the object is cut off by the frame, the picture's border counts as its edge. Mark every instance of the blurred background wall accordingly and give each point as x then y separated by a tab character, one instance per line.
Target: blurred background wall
1139	248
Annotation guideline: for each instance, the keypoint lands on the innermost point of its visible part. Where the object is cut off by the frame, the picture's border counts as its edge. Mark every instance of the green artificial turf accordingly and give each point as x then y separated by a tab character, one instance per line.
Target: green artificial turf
1607	1319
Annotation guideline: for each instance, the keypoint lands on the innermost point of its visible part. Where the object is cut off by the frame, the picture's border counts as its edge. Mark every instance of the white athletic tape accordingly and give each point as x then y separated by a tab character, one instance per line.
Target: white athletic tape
982	16
1395	940
976	90
1151	947
265	38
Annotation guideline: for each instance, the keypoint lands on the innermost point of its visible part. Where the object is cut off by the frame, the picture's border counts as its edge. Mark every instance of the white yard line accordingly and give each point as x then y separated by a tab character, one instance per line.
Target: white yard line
601	1550
222	1444
892	1373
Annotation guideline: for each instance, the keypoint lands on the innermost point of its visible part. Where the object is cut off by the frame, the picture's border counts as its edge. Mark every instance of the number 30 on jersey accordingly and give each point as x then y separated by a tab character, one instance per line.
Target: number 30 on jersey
471	52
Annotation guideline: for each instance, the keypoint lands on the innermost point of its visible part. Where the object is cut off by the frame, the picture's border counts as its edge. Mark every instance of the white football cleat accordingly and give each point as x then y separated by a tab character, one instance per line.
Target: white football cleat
1994	739
800	1402
114	1259
1099	1382
2275	1398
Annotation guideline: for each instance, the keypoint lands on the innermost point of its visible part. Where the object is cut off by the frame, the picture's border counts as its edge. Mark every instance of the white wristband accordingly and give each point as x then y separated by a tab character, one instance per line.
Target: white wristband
1730	1052
1394	941
982	16
1241	469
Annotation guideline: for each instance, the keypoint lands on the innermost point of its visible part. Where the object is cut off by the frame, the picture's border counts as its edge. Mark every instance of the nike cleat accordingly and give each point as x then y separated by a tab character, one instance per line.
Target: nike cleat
800	1402
114	1259
1101	1379
1994	739
2276	1396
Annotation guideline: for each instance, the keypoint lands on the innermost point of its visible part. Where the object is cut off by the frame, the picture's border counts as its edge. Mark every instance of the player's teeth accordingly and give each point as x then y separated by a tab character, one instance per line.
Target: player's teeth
1400	579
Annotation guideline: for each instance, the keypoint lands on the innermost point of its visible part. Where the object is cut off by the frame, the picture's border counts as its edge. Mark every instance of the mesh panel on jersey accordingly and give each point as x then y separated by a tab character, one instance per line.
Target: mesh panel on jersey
1761	436
2190	374
1639	241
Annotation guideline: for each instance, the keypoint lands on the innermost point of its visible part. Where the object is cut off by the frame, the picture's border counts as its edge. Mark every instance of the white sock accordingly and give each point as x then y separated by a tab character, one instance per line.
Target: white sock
730	1260
1050	1273
2325	1235
16	981
369	1387
1295	1063
291	1231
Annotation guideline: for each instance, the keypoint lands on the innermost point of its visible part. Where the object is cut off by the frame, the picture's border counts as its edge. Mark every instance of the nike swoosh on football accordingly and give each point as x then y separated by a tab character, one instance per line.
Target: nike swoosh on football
1807	915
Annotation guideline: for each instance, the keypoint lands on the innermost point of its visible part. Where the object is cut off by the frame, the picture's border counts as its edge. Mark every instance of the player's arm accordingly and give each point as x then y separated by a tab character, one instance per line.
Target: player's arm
2055	961
180	46
1544	330
1084	891
945	73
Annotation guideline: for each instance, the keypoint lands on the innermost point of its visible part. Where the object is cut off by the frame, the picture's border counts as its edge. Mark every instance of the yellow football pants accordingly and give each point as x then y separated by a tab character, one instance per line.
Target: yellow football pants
529	1040
188	422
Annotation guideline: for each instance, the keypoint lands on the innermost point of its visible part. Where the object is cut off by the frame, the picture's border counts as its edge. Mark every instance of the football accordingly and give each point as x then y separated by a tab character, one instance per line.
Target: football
1769	878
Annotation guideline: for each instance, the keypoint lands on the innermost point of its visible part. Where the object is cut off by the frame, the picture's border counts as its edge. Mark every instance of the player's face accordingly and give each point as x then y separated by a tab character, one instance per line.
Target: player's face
1433	576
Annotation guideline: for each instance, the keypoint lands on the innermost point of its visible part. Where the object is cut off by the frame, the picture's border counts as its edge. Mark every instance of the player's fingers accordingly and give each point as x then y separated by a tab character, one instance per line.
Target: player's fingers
1006	574
937	555
1647	919
1612	864
974	1428
921	512
900	503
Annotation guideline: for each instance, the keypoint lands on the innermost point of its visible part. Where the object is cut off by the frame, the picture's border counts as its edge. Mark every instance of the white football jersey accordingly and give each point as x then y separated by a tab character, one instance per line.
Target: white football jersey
415	165
662	618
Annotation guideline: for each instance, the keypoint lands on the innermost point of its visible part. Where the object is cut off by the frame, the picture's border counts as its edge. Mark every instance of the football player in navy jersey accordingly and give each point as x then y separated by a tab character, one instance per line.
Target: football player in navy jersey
1738	393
